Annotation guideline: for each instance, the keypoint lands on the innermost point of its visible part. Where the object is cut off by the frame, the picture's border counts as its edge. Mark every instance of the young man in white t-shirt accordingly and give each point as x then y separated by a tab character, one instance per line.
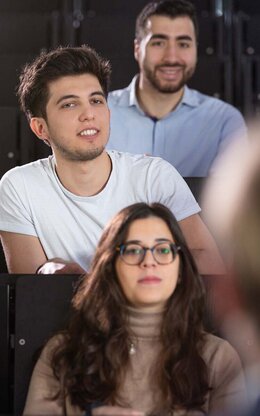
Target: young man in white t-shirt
52	211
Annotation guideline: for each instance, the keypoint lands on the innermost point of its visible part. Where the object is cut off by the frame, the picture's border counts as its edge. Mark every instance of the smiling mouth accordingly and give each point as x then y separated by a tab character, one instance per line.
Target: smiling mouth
170	71
88	132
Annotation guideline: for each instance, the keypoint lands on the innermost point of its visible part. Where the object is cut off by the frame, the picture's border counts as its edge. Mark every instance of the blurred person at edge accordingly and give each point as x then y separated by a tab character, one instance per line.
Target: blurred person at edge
136	345
236	219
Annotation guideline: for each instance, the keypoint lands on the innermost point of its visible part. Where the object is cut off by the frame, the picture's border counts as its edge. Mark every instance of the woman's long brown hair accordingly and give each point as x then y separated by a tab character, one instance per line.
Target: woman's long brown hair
92	358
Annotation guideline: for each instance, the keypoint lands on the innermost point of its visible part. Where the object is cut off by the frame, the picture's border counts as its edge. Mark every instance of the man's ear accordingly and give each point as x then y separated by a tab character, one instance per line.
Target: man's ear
136	49
40	129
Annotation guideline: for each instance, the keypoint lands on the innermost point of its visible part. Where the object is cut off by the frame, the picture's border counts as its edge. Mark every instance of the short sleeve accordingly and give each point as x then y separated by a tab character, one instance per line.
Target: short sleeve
169	188
15	215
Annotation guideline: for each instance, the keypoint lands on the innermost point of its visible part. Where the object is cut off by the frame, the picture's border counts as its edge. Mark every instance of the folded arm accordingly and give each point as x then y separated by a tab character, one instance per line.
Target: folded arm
202	245
24	254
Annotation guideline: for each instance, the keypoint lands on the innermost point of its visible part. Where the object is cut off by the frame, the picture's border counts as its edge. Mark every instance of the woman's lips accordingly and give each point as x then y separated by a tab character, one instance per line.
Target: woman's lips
150	280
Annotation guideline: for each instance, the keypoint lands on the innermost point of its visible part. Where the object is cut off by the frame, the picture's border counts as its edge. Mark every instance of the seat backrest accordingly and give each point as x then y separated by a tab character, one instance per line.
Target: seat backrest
3	267
5	350
39	307
196	185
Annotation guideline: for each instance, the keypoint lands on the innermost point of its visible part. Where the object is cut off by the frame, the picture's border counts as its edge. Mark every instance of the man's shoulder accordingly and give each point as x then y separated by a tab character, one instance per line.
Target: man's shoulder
119	97
134	159
122	96
212	102
27	170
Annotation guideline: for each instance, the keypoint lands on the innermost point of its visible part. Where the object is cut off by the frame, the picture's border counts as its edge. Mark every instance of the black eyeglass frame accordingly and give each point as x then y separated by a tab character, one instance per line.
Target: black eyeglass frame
174	248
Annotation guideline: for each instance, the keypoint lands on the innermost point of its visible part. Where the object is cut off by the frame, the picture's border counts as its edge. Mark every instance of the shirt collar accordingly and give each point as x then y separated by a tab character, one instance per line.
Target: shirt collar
132	92
190	97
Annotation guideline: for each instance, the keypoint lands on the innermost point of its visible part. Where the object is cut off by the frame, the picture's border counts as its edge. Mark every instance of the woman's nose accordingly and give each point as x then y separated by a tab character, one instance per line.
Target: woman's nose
148	260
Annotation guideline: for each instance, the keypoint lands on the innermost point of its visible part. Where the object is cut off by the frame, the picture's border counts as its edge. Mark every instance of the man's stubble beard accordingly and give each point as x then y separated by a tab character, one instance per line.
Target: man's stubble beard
168	88
79	156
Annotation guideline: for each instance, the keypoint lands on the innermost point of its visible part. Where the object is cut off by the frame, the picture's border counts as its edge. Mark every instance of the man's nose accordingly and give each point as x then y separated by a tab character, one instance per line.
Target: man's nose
87	113
171	53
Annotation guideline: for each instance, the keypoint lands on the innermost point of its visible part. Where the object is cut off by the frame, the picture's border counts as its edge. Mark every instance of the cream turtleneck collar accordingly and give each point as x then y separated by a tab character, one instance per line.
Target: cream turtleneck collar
145	324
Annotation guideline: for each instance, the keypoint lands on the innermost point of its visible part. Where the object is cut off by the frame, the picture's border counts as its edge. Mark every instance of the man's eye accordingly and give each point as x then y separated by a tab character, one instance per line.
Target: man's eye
68	105
97	101
157	43
184	45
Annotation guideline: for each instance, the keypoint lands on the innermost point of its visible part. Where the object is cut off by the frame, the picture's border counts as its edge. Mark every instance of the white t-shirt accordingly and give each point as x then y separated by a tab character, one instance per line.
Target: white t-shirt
34	202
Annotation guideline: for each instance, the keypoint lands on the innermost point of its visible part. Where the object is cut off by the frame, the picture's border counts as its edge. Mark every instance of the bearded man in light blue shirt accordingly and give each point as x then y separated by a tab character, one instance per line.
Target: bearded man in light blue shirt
157	113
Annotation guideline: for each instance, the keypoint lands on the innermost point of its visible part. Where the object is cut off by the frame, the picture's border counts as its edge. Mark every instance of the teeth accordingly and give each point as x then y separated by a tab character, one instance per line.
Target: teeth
88	132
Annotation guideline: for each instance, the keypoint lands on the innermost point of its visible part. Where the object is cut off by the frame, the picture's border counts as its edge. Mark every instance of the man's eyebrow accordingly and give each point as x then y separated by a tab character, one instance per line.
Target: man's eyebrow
184	37
159	36
66	97
97	93
165	37
69	96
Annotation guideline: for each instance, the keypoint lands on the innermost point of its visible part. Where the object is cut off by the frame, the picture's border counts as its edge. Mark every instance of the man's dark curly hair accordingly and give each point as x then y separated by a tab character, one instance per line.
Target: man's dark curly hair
33	92
168	8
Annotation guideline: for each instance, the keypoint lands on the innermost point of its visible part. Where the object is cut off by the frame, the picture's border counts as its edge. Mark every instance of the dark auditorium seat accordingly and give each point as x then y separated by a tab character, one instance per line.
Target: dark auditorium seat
3	267
32	5
250	80
28	32
32	308
118	49
9	125
196	185
211	34
219	83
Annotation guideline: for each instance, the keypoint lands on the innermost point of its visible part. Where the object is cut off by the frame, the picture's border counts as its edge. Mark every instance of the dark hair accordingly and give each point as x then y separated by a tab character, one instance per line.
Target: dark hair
49	66
169	8
93	358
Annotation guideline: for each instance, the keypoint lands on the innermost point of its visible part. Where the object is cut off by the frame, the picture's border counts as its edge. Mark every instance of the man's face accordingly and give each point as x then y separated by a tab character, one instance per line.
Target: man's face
77	121
167	54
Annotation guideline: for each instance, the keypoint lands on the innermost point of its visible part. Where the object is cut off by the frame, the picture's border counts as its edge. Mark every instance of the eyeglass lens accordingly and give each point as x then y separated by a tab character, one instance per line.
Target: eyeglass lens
163	253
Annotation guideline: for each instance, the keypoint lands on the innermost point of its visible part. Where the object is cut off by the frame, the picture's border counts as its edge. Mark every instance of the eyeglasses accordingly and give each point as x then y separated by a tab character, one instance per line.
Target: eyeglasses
134	254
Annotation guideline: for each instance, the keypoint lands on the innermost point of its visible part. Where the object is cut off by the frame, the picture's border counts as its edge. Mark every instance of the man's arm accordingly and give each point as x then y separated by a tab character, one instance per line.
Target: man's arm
23	253
202	245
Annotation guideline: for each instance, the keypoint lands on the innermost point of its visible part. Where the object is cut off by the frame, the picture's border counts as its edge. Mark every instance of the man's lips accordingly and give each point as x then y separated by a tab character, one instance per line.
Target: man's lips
170	71
150	280
89	132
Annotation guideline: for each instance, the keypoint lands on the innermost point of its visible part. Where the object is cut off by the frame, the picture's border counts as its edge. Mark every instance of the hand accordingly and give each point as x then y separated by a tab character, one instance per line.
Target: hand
60	266
115	411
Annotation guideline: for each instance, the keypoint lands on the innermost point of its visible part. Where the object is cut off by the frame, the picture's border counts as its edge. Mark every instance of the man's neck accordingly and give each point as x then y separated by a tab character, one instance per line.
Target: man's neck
84	178
154	103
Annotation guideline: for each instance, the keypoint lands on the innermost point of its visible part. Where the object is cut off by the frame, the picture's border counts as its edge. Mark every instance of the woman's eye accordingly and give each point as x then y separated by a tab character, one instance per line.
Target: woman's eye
132	251
163	250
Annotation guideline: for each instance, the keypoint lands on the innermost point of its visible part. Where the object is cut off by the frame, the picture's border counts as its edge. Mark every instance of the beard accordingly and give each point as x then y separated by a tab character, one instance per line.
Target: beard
78	155
168	87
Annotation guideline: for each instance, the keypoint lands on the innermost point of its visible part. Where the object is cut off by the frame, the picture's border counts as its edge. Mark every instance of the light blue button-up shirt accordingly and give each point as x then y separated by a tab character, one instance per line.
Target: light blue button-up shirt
191	137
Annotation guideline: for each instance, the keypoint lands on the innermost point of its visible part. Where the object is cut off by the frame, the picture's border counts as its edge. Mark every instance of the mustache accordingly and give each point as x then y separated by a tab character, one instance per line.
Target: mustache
170	65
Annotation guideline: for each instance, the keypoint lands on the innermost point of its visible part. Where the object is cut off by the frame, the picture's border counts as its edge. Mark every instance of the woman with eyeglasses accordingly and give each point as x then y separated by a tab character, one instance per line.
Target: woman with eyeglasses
135	344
